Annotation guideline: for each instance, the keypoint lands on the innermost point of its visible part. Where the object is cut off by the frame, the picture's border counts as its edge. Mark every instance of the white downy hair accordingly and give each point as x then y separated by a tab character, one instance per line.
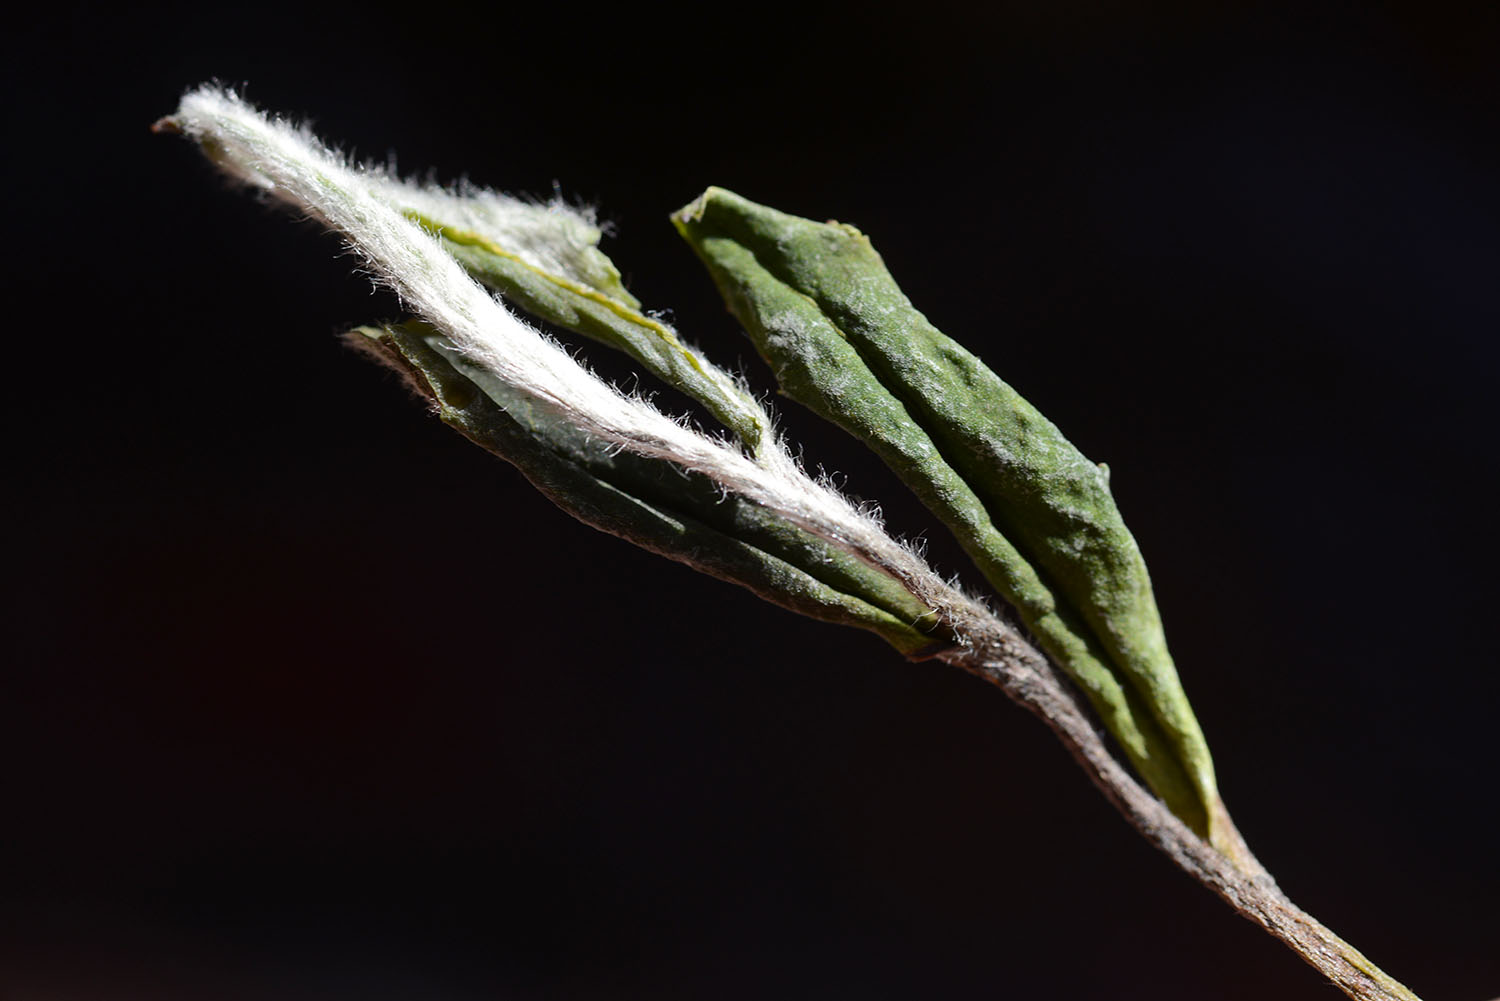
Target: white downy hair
561	241
553	237
365	205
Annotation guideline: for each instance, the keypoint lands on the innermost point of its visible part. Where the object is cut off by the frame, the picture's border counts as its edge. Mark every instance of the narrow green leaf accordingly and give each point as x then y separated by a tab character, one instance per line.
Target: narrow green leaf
653	503
1035	515
588	298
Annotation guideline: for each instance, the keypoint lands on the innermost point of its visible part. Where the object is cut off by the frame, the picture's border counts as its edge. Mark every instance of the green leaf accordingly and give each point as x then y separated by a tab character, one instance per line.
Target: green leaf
588	298
654	504
1035	515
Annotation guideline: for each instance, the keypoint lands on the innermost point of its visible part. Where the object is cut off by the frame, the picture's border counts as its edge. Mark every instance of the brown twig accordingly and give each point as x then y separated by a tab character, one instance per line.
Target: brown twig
1002	657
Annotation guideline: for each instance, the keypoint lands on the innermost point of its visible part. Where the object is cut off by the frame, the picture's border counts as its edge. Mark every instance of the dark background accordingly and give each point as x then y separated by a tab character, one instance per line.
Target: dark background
307	698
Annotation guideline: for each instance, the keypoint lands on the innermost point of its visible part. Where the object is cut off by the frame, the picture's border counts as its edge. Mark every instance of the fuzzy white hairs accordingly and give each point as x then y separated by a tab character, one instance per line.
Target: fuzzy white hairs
367	205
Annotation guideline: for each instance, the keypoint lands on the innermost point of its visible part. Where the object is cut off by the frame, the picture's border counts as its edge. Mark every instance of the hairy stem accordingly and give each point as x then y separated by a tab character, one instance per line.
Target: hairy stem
1003	658
563	403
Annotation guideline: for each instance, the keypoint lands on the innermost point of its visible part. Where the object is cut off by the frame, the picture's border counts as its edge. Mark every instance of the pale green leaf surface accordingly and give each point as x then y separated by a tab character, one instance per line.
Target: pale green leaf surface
593	302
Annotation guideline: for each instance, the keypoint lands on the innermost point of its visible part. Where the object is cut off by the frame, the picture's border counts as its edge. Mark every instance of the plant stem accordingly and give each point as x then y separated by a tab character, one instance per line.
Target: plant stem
1006	660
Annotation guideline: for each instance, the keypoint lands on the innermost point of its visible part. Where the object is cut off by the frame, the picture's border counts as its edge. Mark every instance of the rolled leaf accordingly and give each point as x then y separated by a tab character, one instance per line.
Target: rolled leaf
654	504
547	263
1036	516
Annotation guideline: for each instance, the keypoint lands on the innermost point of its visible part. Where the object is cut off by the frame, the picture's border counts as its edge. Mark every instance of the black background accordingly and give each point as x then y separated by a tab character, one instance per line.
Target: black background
307	698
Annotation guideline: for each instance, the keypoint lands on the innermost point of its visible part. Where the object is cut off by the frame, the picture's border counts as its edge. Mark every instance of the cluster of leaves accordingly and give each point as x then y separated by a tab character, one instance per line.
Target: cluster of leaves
1032	512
